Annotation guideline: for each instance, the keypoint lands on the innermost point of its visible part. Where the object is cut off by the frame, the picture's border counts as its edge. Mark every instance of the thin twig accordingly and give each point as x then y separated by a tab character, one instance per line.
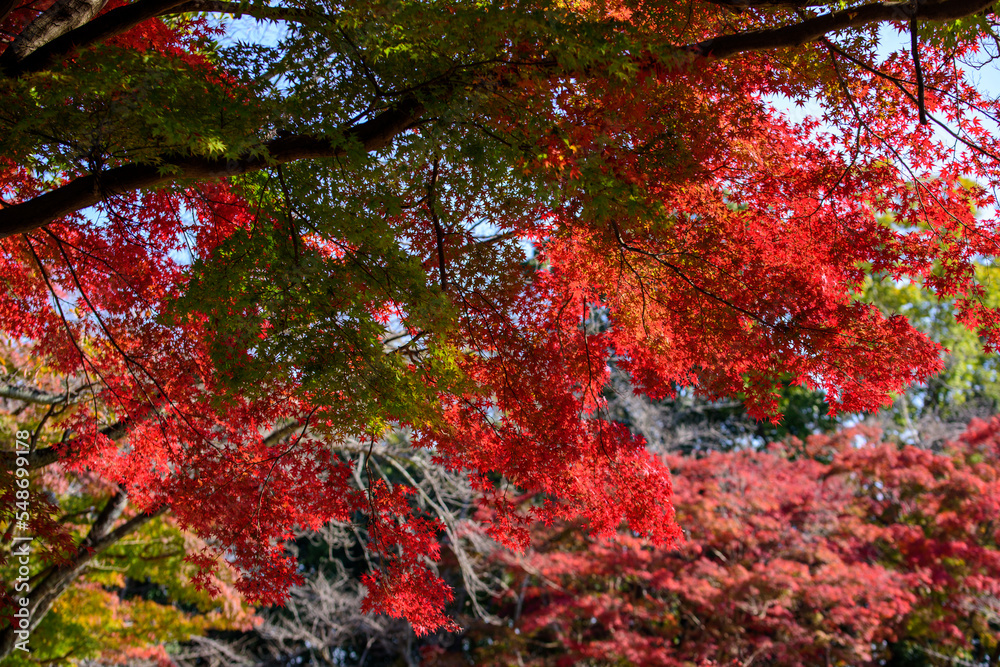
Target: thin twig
915	49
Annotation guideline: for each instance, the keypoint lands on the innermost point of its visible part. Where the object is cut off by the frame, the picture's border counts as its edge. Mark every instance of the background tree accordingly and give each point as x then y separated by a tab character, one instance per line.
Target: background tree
123	598
926	414
815	553
966	388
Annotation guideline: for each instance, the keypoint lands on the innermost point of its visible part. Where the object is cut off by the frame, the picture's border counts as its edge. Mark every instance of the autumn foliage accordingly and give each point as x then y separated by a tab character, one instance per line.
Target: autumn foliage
838	550
242	265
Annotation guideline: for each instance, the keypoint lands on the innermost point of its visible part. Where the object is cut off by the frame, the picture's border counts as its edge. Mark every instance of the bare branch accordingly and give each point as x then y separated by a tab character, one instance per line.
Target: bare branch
438	232
62	17
279	433
33	395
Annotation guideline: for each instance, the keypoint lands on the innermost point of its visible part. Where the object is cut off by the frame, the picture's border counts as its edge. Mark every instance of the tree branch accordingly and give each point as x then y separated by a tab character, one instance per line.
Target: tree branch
32	395
115	22
810	30
33	53
62	17
106	519
748	4
238	9
40	458
101	536
88	190
280	432
917	69
438	232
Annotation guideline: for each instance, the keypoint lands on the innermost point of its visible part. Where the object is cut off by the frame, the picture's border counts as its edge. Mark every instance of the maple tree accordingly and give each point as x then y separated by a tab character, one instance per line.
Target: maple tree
816	552
137	599
938	410
836	549
926	414
245	262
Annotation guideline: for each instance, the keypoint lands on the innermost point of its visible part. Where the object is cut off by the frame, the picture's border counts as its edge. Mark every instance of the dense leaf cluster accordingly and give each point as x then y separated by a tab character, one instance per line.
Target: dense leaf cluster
240	264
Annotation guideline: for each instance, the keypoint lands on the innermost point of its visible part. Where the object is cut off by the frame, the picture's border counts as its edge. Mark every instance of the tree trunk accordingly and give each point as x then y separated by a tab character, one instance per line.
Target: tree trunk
59	578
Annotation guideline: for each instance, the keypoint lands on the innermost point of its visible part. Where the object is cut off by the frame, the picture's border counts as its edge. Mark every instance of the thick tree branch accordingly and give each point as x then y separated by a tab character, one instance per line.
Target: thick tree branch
115	22
33	52
32	395
40	458
373	134
237	9
917	69
89	190
120	20
106	519
6	7
101	536
814	29
62	17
